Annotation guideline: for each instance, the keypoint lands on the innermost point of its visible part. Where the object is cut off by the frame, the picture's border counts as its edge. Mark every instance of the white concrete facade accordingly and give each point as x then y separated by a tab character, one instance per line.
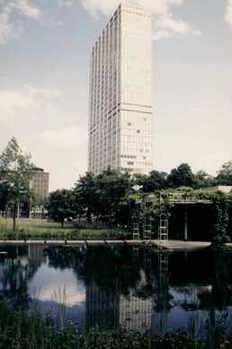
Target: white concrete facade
120	123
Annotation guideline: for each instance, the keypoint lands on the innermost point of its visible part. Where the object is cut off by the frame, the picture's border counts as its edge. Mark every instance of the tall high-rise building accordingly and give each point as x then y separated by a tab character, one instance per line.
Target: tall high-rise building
120	123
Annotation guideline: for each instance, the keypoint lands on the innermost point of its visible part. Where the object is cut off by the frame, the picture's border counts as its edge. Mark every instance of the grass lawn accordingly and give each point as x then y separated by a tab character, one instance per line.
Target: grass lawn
43	229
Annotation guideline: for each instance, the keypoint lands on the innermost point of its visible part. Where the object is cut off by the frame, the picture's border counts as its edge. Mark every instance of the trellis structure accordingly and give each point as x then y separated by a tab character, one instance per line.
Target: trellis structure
160	205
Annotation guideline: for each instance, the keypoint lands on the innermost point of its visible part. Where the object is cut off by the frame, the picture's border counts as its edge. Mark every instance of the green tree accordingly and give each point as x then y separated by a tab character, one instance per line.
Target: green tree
4	196
104	196
15	171
225	174
182	176
220	215
203	180
60	206
139	179
85	192
113	189
155	181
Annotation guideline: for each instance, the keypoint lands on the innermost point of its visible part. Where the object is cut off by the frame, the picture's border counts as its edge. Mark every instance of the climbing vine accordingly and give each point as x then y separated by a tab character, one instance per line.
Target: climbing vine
220	219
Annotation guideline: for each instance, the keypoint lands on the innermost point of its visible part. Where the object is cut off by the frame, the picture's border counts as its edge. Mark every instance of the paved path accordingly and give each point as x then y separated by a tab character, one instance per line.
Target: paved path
77	242
173	245
176	245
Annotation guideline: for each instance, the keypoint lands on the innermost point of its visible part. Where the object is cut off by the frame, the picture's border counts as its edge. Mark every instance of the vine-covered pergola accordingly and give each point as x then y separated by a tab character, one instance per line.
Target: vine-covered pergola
158	206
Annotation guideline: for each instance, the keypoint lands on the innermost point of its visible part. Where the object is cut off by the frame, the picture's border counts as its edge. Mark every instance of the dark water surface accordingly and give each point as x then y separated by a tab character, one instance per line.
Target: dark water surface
111	287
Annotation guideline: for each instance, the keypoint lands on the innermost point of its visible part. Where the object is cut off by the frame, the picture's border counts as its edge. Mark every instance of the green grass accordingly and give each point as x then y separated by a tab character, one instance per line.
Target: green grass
43	229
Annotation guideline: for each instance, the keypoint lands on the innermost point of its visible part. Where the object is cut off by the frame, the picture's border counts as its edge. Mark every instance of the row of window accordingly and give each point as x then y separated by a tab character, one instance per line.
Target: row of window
128	156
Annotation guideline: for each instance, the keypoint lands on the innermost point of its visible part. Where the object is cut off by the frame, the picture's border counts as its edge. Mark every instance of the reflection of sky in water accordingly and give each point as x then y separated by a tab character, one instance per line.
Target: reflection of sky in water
177	318
62	292
185	314
56	291
187	295
57	285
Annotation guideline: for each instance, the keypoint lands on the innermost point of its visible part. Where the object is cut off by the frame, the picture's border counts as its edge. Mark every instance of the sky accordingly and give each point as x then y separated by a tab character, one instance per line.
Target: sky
44	72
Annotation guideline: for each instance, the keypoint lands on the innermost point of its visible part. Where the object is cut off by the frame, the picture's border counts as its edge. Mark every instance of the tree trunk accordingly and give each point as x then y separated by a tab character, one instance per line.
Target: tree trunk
14	217
89	217
18	209
62	223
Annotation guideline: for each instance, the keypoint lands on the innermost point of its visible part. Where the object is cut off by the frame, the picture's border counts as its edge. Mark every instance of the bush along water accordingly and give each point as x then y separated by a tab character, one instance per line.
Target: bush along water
220	216
32	331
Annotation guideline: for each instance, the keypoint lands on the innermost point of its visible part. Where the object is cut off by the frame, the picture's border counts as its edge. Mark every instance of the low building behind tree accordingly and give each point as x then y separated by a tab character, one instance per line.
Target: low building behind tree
40	184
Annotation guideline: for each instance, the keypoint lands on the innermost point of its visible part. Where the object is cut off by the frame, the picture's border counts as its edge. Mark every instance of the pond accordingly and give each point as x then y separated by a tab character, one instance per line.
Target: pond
111	287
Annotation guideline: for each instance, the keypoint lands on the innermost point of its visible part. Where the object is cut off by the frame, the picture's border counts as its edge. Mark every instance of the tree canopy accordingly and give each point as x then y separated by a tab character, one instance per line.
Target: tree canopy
15	172
4	196
60	206
224	176
111	196
103	195
182	176
155	181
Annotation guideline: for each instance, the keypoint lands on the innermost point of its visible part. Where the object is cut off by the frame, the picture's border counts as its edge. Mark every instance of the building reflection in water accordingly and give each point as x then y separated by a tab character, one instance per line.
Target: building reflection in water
108	309
136	289
135	313
36	254
102	307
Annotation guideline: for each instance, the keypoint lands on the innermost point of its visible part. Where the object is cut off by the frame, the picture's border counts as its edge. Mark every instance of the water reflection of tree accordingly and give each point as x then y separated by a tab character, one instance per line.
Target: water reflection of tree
213	295
219	294
108	267
16	273
126	270
115	278
104	265
203	278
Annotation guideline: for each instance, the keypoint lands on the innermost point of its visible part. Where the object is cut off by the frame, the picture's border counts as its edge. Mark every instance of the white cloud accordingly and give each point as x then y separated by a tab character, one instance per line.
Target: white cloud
61	287
106	7
228	15
162	34
61	294
171	24
8	10
165	23
100	6
28	9
5	27
64	138
11	101
168	26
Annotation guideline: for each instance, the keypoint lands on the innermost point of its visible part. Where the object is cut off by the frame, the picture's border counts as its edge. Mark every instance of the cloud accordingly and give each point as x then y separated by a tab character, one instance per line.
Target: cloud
5	27
165	24
228	15
11	8
61	287
61	294
64	138
28	9
106	7
12	101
